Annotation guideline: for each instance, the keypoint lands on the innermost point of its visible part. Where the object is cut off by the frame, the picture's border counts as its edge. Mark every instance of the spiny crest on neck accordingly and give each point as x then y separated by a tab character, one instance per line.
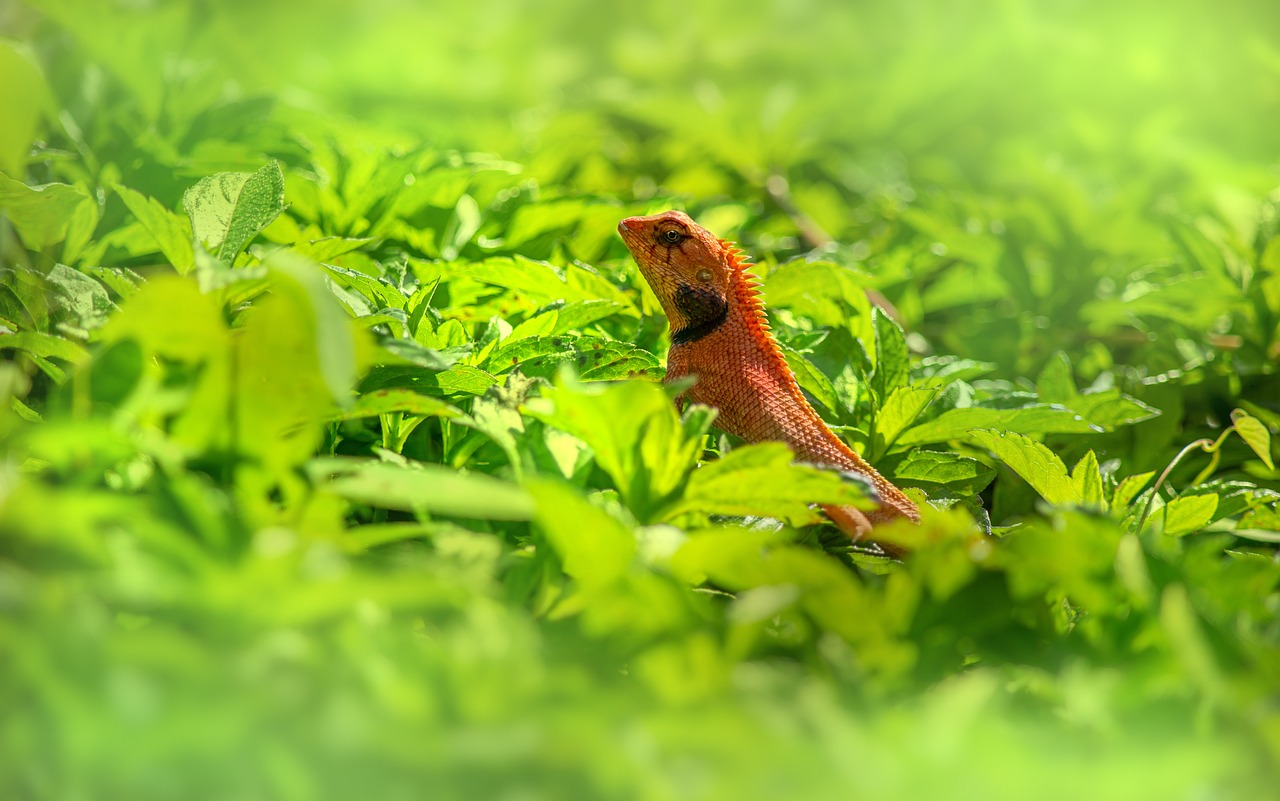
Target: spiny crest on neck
746	294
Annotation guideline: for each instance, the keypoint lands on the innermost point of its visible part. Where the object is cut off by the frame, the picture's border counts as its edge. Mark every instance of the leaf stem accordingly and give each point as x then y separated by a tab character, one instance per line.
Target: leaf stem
1209	446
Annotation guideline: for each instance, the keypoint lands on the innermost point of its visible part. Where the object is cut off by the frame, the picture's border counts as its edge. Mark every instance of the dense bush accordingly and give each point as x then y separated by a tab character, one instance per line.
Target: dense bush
336	465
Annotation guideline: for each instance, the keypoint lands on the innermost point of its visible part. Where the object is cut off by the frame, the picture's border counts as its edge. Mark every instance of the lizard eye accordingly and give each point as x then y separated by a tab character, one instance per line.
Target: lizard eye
703	275
671	236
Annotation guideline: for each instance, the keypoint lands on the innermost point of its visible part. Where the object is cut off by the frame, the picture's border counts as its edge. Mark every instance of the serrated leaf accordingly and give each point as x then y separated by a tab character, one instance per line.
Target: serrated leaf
1036	464
228	209
892	358
421	487
171	231
377	291
634	431
563	317
1255	434
1086	480
957	474
1111	408
596	358
810	378
764	480
897	413
79	297
1031	419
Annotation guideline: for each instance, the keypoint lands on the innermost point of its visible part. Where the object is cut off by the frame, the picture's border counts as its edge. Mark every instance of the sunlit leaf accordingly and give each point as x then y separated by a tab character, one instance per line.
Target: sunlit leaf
229	209
1036	464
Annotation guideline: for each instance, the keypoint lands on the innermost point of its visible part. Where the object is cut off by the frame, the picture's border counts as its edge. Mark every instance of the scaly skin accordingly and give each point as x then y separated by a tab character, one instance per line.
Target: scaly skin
719	333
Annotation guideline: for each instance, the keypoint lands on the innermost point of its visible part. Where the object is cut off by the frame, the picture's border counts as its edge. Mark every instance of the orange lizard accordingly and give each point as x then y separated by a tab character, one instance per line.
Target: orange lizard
720	335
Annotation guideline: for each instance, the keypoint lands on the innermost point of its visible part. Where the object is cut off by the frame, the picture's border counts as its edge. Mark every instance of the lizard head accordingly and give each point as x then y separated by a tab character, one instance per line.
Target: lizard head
688	268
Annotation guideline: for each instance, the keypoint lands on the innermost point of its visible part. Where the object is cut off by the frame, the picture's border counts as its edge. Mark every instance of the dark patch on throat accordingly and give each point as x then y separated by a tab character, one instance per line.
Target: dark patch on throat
704	310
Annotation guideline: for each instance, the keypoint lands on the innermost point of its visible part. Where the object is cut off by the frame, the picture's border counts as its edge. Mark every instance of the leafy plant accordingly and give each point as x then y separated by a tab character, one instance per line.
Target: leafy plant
336	462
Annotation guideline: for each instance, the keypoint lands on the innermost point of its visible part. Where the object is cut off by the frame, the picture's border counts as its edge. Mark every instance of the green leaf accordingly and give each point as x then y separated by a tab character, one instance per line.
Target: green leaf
1086	481
386	401
763	480
1110	408
329	328
24	96
1128	489
1031	419
379	292
1036	464
229	209
562	317
171	231
939	470
47	214
421	488
594	546
596	358
1056	384
811	379
78	298
892	359
897	413
1255	434
1189	513
45	345
634	432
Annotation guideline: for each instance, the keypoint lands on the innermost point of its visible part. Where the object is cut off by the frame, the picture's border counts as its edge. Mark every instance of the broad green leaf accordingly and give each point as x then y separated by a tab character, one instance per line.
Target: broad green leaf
595	547
377	291
1031	419
562	318
739	560
811	379
229	209
1056	384
1110	408
1086	481
330	329
1189	513
820	290
762	480
940	470
596	358
1128	489
899	411
386	401
1036	464
892	359
45	345
47	214
1255	434
79	299
171	231
540	281
460	379
421	488
25	98
634	431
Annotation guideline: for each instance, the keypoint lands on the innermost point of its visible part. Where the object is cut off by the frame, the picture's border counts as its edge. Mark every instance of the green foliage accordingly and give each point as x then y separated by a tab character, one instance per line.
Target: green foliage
335	461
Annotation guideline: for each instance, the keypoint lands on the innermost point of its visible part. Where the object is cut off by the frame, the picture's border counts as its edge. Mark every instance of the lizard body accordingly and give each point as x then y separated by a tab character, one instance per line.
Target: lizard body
720	335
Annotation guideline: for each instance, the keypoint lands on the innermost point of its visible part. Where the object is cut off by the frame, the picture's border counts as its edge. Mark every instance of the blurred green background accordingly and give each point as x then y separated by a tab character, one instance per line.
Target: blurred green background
1053	194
